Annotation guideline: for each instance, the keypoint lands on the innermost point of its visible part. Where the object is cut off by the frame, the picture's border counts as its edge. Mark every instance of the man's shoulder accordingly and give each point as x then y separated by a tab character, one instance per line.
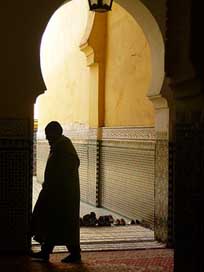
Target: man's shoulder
64	139
66	144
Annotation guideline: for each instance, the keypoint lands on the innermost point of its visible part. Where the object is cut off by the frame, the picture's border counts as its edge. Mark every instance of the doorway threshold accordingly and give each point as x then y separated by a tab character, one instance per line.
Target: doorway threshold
106	238
113	238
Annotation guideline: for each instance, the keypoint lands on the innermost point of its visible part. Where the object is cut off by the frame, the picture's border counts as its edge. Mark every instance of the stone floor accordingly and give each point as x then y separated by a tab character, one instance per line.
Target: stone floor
108	238
154	260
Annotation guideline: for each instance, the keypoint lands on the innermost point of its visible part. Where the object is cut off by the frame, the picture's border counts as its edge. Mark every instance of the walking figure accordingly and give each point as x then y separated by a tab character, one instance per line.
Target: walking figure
55	218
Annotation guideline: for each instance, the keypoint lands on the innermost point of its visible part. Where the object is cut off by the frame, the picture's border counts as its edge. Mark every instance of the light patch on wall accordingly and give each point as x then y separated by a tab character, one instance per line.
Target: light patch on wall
66	29
64	67
128	72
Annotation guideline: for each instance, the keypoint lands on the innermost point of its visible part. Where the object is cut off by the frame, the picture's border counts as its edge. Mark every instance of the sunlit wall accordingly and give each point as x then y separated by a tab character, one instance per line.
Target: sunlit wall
128	72
67	76
64	67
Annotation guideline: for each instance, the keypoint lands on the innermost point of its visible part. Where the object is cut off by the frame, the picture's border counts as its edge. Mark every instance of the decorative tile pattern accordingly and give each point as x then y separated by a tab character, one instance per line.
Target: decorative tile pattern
105	133
171	196
161	190
92	196
14	128
131	133
34	151
15	177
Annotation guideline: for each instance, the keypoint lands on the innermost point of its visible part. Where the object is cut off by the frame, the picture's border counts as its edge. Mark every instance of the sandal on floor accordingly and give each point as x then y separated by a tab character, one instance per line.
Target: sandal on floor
40	256
72	259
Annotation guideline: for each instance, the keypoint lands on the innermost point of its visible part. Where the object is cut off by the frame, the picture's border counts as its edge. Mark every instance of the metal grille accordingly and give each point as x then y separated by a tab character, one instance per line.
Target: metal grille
127	181
82	150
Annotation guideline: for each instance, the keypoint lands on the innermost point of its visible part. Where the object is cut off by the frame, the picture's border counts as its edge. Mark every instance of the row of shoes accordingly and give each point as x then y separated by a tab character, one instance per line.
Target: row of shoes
90	220
135	222
120	222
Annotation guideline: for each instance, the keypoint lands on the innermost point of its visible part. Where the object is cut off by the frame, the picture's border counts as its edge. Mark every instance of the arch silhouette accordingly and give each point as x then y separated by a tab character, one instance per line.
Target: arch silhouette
153	34
85	31
151	31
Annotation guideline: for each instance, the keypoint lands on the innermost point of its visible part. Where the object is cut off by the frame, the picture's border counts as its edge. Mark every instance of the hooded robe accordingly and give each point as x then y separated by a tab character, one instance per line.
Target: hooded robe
55	217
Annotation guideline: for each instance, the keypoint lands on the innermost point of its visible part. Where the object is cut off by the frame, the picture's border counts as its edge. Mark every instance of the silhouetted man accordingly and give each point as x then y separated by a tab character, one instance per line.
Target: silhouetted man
55	219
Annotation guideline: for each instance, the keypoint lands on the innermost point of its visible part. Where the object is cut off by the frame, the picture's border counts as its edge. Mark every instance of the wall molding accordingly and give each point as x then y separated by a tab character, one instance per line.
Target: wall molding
113	133
128	133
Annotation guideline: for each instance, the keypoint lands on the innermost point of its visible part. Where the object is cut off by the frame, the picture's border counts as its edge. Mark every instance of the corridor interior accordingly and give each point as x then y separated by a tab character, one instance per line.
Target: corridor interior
110	119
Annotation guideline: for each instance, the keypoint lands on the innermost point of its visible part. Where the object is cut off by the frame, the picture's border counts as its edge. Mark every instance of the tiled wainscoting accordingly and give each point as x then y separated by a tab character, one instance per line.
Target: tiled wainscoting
15	179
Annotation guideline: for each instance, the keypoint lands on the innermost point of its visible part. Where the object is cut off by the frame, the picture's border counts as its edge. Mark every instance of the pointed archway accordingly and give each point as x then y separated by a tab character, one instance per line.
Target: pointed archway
154	36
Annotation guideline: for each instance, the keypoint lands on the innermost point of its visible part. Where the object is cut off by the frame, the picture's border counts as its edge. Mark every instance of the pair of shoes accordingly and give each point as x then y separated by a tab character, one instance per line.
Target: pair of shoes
72	259
136	222
41	256
120	222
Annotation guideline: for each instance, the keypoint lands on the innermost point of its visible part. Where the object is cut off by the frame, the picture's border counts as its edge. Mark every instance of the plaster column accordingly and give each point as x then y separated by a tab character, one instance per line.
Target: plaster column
95	51
161	167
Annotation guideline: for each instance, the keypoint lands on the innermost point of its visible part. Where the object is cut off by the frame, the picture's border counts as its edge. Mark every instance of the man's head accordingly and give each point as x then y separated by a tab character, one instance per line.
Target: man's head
53	131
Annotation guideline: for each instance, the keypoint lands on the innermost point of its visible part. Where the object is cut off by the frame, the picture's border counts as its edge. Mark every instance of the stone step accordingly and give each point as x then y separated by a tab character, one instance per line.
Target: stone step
111	246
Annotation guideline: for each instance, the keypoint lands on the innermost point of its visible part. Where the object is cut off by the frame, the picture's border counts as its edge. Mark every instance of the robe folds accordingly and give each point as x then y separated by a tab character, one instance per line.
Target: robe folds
55	217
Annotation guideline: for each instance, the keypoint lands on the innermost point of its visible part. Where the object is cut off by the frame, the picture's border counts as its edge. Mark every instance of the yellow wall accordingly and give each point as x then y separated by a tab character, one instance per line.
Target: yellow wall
125	61
64	67
128	72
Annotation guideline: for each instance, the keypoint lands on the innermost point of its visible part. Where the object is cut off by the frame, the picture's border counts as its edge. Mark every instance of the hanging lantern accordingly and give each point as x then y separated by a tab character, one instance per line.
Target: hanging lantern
100	5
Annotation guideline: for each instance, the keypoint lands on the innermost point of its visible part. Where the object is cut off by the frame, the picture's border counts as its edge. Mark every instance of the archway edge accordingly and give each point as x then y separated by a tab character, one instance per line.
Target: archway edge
152	32
154	37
